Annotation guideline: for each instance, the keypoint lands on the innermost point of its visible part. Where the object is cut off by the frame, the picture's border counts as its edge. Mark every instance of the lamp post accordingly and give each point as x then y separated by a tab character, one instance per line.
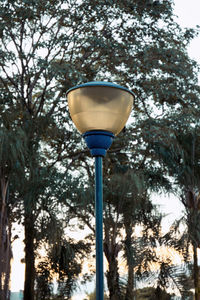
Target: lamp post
99	110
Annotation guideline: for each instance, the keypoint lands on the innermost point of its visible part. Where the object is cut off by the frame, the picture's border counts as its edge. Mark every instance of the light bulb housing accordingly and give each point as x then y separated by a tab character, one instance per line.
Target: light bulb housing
100	106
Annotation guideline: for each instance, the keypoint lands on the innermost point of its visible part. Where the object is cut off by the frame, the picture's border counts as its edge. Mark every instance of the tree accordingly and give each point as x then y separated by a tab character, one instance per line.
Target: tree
12	156
64	256
44	282
179	155
47	47
64	259
127	205
5	240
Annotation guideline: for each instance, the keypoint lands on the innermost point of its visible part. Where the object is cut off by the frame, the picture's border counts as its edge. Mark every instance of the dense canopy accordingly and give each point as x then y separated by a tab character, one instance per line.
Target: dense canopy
46	174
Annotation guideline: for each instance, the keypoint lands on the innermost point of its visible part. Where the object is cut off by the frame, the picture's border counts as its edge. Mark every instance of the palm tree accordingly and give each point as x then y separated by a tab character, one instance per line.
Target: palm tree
175	144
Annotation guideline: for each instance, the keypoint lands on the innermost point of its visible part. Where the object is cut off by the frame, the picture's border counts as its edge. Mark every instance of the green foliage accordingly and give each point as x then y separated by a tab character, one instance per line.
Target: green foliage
66	260
152	294
44	281
49	46
12	151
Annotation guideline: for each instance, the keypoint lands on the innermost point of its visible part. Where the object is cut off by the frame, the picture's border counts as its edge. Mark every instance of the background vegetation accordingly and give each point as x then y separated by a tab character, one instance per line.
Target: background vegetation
46	172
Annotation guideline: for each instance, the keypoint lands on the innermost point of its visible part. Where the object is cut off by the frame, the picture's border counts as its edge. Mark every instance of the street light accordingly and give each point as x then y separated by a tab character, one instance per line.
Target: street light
99	110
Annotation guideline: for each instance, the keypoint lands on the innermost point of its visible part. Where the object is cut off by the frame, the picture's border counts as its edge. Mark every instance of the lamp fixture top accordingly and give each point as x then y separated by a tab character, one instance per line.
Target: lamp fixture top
100	83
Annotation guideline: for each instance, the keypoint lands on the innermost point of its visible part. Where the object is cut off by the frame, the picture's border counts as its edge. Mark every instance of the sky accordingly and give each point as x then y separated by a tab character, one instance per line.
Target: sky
188	15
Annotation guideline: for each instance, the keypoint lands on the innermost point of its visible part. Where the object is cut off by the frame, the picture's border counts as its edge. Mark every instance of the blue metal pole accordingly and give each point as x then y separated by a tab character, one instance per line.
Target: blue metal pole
99	228
98	141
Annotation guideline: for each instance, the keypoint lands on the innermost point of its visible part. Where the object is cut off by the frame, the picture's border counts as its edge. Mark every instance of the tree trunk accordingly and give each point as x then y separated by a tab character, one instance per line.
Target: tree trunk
196	273
111	250
5	240
130	262
8	256
113	280
29	257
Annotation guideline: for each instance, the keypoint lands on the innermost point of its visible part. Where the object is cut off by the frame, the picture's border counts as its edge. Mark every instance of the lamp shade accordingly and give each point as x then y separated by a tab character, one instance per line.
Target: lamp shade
100	106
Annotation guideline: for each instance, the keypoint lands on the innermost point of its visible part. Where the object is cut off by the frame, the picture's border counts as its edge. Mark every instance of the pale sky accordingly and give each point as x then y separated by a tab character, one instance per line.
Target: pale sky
188	12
